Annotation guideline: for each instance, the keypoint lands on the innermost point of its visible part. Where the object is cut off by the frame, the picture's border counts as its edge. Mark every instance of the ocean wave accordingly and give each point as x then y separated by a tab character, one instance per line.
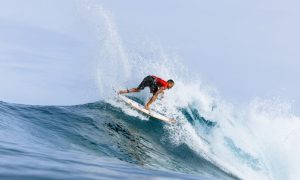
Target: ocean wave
50	135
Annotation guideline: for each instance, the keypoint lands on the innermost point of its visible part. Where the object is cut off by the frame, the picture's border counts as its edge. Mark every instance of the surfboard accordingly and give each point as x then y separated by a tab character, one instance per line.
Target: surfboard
140	108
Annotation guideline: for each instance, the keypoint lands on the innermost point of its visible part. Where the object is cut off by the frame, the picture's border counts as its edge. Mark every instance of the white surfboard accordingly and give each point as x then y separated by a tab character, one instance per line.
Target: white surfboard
141	108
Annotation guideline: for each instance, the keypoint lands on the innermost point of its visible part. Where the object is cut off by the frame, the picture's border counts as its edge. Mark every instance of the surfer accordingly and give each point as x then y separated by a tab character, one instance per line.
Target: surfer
156	85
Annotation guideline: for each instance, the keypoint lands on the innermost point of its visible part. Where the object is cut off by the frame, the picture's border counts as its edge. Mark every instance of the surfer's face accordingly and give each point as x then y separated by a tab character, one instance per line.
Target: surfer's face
170	85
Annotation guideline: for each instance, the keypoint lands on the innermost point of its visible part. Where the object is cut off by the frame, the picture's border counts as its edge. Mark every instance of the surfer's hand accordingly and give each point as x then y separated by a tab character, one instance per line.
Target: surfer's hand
173	121
147	107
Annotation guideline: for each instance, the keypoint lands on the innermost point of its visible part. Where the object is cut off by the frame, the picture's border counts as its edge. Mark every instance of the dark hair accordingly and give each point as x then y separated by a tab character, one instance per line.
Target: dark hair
170	81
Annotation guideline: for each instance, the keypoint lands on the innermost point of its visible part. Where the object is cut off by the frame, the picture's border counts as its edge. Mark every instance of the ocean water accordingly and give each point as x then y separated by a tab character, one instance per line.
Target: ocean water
90	141
108	140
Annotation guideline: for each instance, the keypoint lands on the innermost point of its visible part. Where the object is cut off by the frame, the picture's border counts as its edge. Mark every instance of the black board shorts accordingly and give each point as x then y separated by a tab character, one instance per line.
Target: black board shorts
150	82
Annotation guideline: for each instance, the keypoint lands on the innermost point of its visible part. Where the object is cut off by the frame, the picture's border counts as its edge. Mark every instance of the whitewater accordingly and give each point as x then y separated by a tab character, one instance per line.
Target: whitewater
212	138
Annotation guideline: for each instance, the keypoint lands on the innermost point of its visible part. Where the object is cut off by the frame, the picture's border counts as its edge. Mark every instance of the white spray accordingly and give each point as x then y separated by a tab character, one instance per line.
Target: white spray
259	142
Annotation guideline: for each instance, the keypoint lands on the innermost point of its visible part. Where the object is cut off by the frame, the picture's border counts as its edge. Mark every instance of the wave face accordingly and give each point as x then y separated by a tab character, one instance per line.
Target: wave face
87	141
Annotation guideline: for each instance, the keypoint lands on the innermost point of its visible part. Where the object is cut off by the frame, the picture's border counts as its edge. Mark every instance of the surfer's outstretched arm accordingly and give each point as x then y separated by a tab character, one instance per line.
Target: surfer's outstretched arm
154	97
132	90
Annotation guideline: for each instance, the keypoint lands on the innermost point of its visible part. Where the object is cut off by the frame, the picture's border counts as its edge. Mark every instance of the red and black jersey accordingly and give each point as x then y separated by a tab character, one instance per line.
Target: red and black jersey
160	82
154	83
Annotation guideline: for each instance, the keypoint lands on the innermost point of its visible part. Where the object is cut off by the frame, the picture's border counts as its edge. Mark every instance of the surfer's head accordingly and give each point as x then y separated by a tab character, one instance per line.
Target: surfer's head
170	83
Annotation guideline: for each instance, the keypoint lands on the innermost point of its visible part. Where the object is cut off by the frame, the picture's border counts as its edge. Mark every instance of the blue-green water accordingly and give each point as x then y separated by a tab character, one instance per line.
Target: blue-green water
91	141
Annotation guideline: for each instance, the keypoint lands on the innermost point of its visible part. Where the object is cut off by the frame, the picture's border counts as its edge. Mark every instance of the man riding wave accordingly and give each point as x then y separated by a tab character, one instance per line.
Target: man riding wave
156	85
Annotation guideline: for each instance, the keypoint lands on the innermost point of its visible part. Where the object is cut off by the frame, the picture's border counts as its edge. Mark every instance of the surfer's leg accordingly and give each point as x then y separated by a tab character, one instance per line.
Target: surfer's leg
132	90
145	83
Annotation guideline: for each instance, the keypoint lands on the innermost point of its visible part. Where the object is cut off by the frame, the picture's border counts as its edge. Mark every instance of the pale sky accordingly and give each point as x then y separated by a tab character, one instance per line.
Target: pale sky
245	49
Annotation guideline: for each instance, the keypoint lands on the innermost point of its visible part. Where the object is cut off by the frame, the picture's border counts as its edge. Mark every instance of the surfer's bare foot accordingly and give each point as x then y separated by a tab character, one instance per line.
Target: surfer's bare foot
123	92
173	121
